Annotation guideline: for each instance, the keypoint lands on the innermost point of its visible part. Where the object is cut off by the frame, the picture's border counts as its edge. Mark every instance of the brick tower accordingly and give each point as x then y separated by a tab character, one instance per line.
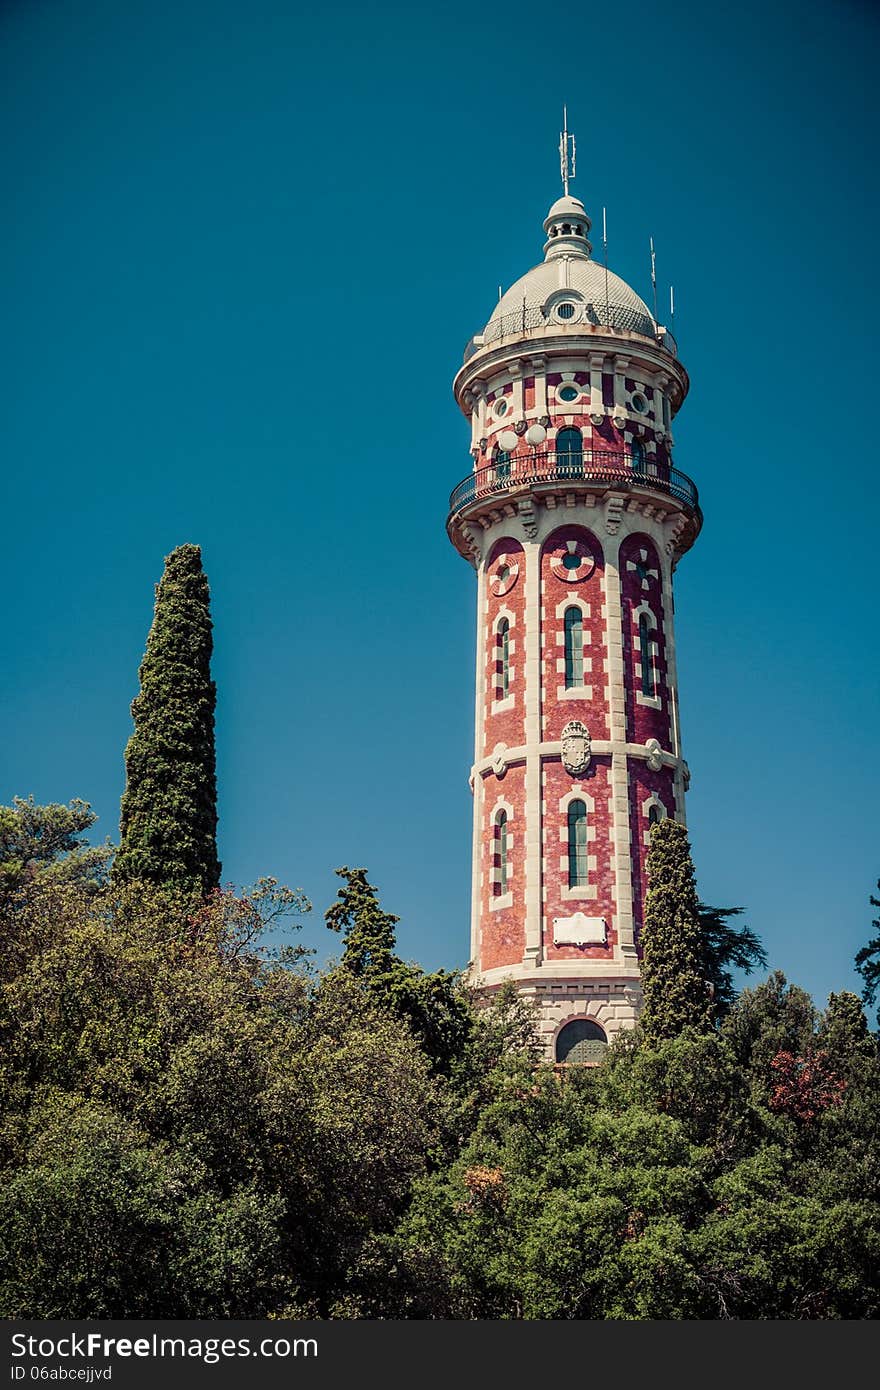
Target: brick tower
574	518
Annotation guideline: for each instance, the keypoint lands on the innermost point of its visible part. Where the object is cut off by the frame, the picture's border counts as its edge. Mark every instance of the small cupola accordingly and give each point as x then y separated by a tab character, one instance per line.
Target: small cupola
567	227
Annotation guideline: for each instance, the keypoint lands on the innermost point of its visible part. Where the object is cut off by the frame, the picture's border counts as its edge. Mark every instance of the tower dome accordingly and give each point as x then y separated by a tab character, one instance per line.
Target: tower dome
568	288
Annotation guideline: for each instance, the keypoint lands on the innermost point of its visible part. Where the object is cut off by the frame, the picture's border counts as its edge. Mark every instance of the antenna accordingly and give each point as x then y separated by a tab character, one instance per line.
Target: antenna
605	256
567	152
672	305
654	279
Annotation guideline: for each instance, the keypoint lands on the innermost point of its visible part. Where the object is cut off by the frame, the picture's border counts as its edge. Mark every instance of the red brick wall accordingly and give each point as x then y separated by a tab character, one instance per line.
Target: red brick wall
642	782
596	784
502	935
589	591
506	726
643	721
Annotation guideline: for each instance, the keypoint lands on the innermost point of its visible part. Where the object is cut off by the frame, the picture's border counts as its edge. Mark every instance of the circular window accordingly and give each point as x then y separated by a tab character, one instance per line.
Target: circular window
565	310
569	392
572	562
500	407
639	403
502	574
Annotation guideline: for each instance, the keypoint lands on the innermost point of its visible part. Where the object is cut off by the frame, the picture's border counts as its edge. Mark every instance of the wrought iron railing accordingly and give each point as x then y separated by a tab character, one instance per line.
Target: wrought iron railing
596	314
603	468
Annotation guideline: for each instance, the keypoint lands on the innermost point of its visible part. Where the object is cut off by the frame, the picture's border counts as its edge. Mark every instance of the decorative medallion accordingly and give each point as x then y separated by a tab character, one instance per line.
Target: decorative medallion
503	574
572	561
499	761
575	748
655	754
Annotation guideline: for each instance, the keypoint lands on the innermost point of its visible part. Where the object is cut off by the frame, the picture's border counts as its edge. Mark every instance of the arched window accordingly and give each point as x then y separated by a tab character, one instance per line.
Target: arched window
577	844
502	463
582	1040
638	455
645	655
570	452
574	648
503	658
502	854
655	814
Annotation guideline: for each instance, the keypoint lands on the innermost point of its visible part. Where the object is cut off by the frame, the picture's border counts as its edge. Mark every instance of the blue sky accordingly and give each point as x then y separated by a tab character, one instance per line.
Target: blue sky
244	246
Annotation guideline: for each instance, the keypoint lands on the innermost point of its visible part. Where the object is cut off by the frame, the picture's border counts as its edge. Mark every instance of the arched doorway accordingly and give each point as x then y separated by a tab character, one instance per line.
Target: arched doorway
582	1040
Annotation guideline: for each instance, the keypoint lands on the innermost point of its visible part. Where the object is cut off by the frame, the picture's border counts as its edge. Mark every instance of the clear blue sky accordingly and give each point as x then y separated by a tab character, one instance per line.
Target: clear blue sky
243	247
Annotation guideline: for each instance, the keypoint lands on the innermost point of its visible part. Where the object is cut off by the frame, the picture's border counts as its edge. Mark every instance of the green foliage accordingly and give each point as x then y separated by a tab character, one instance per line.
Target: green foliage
674	976
727	947
259	1124
435	1006
868	960
655	1186
47	842
169	807
195	1126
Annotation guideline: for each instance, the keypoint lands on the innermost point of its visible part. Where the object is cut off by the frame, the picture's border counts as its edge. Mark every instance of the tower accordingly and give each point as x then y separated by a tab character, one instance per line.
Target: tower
574	518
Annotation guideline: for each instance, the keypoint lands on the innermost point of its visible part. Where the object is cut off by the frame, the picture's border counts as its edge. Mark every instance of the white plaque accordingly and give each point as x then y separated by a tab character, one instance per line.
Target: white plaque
579	930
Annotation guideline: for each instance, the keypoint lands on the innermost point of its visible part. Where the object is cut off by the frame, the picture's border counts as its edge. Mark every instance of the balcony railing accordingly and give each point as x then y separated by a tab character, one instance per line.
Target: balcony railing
600	468
599	314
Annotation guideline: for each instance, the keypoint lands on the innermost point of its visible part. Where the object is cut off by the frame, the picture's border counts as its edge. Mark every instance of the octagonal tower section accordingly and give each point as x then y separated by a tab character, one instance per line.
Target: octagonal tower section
574	517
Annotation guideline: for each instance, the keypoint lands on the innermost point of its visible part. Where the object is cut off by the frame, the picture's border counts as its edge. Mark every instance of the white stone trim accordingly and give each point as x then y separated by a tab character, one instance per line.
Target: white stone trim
620	833
533	880
654	701
647	805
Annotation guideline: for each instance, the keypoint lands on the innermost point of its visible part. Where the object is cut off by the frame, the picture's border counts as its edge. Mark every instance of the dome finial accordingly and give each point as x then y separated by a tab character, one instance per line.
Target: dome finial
567	153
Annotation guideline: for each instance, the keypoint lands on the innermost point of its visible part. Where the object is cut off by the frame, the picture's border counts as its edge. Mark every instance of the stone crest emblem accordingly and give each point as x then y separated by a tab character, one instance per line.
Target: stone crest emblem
575	747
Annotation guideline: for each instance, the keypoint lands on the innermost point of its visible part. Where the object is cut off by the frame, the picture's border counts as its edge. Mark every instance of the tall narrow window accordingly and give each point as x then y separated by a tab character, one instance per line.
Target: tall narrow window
577	844
502	853
655	814
570	452
638	455
645	655
502	464
574	648
503	659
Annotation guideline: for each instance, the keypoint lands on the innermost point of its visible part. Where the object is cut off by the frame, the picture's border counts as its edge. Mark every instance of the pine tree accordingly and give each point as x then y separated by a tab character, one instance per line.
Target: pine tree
726	947
868	960
674	979
169	807
368	931
843	1030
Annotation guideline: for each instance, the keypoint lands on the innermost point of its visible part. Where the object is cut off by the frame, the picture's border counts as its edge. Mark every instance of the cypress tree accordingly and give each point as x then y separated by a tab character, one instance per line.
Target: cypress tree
169	807
674	980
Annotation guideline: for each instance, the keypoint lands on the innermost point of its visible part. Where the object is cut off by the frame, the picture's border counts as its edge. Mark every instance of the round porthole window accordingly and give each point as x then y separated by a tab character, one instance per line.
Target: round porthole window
639	403
500	407
569	392
565	310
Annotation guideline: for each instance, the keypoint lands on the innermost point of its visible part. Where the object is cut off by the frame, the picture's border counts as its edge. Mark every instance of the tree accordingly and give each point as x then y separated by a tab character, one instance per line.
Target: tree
47	842
771	1018
434	1005
868	960
727	947
169	807
367	930
674	976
